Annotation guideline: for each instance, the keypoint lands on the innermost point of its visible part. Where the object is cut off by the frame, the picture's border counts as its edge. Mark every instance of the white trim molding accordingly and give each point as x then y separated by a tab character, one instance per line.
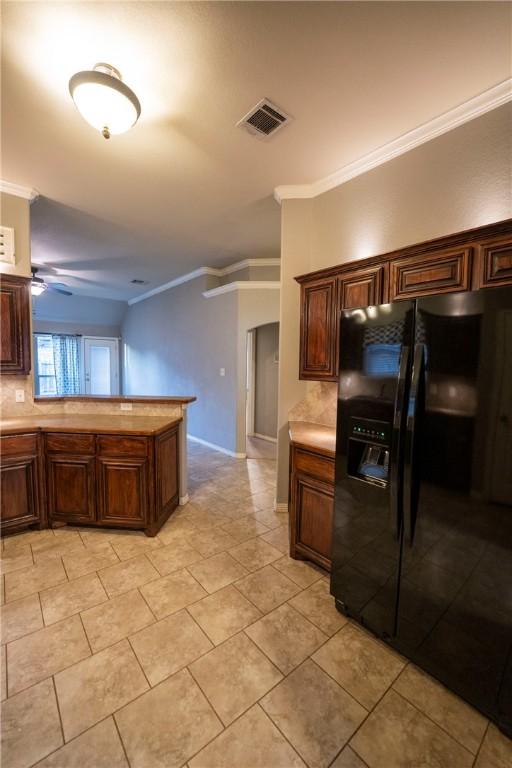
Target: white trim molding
243	285
216	447
263	437
27	193
212	271
485	102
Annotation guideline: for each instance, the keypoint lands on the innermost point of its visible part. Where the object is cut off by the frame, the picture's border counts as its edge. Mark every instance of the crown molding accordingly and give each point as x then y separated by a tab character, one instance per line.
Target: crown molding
212	271
173	283
243	285
475	107
250	263
27	193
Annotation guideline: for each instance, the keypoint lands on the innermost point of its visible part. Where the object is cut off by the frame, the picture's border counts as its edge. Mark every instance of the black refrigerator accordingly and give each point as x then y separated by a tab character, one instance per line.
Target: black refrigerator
422	537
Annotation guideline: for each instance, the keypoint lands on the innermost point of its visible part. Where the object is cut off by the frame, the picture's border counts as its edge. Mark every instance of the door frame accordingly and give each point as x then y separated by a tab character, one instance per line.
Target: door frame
115	367
250	383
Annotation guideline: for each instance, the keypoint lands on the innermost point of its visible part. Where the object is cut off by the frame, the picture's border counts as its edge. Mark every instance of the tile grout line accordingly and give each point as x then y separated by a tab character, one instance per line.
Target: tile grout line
481	744
116	726
58	713
425	714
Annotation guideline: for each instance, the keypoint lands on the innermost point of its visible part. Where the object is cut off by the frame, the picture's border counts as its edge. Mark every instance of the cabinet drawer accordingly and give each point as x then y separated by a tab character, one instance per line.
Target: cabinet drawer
436	273
70	443
312	464
495	262
19	445
114	445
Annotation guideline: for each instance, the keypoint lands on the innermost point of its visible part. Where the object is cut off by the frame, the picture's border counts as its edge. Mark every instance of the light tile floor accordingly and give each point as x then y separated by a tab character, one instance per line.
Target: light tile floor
208	647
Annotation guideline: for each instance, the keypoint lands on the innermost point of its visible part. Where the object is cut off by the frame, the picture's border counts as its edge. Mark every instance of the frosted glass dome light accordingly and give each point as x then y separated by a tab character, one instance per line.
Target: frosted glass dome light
103	100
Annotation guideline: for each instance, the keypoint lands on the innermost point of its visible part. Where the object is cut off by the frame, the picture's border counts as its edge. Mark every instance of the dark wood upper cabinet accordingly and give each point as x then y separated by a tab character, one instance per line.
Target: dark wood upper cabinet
424	275
14	325
321	302
318	355
494	262
361	288
464	261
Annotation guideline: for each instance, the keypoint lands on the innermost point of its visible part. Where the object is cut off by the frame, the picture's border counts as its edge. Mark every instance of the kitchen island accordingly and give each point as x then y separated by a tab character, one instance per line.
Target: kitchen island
89	469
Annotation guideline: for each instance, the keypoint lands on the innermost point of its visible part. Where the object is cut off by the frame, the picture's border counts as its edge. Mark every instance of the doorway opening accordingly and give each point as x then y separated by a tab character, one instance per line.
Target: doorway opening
261	387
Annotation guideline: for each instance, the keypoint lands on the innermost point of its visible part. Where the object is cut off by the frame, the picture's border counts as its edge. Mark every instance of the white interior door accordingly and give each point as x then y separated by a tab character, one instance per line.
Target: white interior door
101	366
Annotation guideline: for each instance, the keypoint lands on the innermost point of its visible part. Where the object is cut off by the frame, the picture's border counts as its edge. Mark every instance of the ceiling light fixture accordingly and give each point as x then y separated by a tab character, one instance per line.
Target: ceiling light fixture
103	100
38	285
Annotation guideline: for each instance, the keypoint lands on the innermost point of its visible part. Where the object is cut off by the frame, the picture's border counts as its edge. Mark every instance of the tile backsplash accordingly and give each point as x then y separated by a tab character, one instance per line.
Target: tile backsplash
319	405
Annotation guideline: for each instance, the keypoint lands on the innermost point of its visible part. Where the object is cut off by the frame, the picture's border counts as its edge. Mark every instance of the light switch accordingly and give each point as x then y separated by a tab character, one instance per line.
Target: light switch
222	372
20	395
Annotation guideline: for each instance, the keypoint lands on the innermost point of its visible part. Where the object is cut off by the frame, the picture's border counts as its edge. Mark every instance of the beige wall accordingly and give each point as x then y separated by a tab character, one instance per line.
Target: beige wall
15	213
296	234
454	182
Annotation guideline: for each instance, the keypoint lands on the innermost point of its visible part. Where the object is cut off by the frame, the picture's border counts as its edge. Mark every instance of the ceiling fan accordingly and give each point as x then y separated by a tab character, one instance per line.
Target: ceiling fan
39	286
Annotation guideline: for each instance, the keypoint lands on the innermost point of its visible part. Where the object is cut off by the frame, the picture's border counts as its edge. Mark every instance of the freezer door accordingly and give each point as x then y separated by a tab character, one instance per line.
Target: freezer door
374	358
455	606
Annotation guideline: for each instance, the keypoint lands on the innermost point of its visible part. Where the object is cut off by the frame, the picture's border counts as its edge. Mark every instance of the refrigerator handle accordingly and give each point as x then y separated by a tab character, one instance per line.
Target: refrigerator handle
396	442
411	437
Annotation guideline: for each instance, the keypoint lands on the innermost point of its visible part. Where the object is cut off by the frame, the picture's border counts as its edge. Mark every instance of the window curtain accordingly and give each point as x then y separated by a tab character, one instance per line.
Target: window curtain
66	357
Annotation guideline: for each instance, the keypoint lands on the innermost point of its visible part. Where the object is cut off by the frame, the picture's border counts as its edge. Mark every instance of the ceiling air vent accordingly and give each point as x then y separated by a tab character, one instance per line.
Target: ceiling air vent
264	119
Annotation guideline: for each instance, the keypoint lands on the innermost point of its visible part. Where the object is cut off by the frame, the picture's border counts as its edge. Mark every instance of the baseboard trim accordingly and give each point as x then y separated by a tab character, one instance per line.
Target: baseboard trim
216	447
281	506
264	437
184	500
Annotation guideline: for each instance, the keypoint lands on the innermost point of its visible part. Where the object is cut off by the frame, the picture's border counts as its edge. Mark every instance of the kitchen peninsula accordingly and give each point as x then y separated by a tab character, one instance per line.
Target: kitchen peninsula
84	461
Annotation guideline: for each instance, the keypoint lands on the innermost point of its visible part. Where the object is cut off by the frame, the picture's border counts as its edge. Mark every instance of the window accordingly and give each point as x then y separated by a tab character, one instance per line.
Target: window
57	364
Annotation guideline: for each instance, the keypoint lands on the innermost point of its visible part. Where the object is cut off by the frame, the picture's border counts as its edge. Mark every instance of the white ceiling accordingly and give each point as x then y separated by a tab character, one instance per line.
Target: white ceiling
185	187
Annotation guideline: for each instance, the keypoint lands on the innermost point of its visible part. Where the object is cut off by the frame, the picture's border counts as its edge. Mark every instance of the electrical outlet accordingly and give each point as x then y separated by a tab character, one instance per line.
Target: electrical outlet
222	372
20	395
126	406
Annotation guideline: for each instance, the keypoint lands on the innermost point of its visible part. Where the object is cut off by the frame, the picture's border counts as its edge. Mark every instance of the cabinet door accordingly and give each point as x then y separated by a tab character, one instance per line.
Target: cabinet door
361	288
442	272
494	262
19	492
318	347
71	488
123	491
313	504
14	325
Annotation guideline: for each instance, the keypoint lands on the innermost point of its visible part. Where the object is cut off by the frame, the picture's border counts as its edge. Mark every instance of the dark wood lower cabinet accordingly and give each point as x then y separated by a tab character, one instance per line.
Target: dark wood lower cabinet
20	483
123	492
311	506
83	478
71	482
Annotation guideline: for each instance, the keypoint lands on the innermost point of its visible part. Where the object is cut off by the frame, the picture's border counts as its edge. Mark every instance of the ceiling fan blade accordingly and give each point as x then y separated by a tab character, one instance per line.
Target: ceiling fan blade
54	289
